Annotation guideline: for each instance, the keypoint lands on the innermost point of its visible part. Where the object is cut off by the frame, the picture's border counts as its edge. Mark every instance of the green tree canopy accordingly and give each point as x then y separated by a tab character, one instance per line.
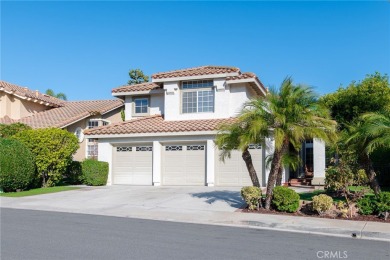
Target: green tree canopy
372	94
137	76
59	95
53	149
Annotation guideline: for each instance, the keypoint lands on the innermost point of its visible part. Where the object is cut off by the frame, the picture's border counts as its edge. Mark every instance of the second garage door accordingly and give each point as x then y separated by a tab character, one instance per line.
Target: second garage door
184	164
132	165
234	172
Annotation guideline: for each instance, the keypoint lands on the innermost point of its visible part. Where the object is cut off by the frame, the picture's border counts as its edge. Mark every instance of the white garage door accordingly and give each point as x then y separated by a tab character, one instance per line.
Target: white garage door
234	172
132	165
184	164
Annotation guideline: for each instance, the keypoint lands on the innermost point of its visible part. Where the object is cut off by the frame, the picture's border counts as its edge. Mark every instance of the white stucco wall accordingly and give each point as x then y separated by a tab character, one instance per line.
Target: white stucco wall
156	105
319	162
105	155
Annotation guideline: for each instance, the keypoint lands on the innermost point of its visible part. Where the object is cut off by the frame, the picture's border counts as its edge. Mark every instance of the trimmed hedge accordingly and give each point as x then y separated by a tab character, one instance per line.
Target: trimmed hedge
285	199
252	196
94	173
17	167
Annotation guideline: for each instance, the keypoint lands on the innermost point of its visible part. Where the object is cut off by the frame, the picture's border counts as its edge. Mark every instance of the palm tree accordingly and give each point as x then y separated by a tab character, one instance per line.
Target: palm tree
59	95
288	116
371	132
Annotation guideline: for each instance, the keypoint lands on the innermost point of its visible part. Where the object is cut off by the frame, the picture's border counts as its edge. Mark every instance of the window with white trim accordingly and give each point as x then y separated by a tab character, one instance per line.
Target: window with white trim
95	122
141	105
197	96
92	148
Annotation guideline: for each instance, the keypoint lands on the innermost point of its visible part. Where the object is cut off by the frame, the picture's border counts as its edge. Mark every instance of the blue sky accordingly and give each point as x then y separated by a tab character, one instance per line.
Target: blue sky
85	49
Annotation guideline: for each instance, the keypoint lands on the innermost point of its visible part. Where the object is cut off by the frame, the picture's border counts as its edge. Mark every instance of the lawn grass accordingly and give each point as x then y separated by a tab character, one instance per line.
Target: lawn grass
38	191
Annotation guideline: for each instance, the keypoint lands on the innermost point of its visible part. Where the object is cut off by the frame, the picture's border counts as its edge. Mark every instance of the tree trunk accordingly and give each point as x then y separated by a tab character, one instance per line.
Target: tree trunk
251	169
279	176
275	166
370	172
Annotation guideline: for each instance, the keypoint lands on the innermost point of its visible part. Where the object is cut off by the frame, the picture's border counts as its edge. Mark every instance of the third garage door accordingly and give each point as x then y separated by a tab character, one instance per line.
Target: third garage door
234	172
184	164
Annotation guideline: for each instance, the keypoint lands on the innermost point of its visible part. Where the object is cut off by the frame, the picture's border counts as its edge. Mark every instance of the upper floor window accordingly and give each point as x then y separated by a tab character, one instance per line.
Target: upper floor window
141	105
92	123
197	96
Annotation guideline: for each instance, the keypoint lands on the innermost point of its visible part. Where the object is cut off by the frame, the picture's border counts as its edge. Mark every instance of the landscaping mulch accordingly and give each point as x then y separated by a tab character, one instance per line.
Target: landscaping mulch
306	213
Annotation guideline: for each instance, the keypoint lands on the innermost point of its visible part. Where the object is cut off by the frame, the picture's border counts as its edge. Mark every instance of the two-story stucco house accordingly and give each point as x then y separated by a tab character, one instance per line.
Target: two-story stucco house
38	110
169	132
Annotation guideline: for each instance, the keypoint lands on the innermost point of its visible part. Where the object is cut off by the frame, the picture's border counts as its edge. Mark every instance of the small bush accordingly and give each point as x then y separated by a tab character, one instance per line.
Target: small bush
252	196
73	173
366	205
94	173
17	168
382	202
322	203
285	199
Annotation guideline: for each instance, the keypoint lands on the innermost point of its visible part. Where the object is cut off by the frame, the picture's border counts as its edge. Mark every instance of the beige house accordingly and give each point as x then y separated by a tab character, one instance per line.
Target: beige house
38	110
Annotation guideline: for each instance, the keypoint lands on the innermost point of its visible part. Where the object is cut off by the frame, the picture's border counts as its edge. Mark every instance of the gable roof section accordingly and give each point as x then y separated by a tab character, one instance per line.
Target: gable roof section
250	78
197	71
30	95
147	86
70	113
157	124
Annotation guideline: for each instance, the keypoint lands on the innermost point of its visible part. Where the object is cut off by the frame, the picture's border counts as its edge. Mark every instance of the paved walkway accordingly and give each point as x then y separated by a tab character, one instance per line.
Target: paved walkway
202	205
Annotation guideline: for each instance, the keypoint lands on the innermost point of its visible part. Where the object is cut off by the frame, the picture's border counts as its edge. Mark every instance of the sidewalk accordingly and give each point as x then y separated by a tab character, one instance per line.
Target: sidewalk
174	209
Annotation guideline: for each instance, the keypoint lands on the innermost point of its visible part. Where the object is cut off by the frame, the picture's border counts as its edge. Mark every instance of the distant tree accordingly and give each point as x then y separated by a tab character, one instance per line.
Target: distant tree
372	94
59	95
137	76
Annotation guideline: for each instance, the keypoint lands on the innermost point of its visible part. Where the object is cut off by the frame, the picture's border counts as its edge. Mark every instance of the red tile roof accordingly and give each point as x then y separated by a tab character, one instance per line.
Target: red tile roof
25	93
137	87
249	75
198	71
7	120
246	75
157	124
72	112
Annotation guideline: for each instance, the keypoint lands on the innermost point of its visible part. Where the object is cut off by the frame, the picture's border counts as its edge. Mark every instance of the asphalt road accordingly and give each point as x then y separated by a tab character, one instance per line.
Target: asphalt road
28	234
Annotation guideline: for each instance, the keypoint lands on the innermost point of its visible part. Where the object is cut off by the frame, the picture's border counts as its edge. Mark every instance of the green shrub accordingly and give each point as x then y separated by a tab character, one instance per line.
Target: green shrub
366	205
12	129
322	203
73	173
252	196
285	199
53	149
94	173
382	202
17	169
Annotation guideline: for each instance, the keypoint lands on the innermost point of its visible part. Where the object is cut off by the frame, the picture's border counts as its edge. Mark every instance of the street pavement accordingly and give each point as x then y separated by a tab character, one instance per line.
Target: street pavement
200	205
31	234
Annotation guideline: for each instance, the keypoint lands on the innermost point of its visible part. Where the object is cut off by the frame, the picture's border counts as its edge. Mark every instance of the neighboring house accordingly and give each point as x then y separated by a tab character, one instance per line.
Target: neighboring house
19	104
171	123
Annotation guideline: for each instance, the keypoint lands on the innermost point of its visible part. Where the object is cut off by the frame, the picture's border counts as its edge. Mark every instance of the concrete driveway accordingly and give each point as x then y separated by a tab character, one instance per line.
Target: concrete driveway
133	200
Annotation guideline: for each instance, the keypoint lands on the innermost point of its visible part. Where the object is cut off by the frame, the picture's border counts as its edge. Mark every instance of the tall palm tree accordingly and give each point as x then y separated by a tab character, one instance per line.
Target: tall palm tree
372	131
59	95
289	115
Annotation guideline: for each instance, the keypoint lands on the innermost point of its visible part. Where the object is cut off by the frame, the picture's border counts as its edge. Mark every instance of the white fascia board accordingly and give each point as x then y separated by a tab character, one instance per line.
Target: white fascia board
250	80
138	93
155	134
210	76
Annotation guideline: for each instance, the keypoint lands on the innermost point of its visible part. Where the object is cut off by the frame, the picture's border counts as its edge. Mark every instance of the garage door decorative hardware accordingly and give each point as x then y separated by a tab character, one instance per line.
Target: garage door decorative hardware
254	146
173	148
195	147
143	148
124	149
